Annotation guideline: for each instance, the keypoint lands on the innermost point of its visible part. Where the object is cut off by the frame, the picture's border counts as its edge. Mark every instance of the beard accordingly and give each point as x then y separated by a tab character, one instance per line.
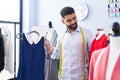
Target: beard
72	26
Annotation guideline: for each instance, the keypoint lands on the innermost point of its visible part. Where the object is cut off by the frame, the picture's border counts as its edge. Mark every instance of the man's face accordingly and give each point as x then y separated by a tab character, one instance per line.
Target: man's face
70	21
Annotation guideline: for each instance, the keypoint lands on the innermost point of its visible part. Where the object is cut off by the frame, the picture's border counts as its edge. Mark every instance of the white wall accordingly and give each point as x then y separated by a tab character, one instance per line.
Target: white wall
9	10
48	10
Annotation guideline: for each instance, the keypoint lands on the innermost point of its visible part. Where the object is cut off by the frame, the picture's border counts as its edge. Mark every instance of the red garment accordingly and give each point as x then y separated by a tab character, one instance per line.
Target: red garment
97	44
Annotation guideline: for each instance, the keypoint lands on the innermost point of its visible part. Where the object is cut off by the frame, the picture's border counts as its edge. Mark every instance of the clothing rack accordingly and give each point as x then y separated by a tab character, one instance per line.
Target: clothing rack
14	23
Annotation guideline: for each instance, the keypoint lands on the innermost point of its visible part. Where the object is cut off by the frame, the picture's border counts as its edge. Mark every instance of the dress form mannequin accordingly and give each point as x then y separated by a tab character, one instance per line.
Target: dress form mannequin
114	50
51	67
50	31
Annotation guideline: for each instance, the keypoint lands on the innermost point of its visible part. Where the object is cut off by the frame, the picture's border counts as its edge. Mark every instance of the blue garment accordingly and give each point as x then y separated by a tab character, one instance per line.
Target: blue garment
32	60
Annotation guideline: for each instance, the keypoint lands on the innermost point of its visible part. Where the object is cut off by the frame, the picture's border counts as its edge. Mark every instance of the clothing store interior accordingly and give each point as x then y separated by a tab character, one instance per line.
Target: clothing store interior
33	34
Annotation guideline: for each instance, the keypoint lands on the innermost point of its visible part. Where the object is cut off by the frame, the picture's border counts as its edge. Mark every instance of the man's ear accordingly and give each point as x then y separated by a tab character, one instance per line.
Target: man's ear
62	21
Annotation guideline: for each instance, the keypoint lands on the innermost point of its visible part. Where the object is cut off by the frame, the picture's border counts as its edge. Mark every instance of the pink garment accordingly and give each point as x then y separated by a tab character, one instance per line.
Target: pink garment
98	65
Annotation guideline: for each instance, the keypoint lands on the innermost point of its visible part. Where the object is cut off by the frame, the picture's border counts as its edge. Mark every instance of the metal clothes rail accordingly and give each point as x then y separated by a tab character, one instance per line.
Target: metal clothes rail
14	23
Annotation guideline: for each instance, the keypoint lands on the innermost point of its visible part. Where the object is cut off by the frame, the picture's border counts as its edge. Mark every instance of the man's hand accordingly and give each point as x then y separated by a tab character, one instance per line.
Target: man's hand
48	46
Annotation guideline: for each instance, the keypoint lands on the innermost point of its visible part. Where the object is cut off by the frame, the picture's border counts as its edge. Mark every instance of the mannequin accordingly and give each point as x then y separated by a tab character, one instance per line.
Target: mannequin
105	63
50	32
51	67
114	49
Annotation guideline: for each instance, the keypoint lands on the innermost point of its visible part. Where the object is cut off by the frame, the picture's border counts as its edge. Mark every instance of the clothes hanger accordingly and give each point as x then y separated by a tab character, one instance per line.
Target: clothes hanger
20	35
100	32
34	32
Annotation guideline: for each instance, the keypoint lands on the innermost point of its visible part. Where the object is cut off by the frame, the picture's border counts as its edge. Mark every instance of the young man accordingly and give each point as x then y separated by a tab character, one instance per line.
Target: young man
72	48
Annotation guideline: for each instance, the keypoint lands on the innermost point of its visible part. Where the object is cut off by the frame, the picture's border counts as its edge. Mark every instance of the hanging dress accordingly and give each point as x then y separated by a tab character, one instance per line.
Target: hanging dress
32	60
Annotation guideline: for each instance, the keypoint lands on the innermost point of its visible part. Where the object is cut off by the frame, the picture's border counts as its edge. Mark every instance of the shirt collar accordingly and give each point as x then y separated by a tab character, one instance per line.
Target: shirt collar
77	30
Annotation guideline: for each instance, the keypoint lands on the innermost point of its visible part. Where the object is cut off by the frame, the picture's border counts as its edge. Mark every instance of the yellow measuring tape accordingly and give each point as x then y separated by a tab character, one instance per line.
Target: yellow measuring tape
83	54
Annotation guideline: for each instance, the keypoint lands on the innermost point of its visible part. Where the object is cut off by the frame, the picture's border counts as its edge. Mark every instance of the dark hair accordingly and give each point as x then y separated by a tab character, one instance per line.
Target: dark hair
66	10
116	29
